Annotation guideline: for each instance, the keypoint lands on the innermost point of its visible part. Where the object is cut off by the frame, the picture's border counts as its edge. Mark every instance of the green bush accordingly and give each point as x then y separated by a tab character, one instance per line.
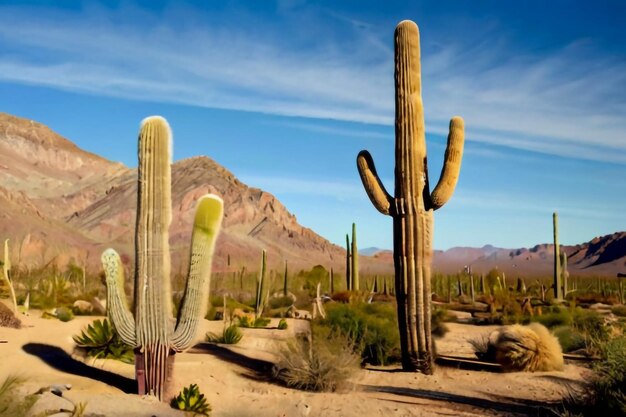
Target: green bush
258	322
64	314
606	392
556	316
373	326
231	335
282	324
569	338
100	340
190	399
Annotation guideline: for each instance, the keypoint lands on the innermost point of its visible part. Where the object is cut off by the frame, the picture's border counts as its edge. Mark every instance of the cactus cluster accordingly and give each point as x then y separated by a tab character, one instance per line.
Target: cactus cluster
413	204
151	330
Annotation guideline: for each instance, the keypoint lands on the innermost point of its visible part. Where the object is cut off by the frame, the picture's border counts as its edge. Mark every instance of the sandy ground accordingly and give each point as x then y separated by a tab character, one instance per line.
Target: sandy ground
43	353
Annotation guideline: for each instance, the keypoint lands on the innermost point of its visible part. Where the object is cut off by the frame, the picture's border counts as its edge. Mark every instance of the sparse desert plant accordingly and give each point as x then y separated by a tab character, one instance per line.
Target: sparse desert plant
282	324
439	317
101	341
192	400
10	402
258	322
605	394
529	348
231	335
8	318
323	363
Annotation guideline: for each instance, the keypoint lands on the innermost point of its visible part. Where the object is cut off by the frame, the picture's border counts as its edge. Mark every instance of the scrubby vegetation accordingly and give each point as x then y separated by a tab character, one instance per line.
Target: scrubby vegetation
324	362
190	399
231	335
100	341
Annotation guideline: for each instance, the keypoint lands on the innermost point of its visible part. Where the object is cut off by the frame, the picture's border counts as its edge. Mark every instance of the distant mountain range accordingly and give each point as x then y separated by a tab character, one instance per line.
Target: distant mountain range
602	256
61	204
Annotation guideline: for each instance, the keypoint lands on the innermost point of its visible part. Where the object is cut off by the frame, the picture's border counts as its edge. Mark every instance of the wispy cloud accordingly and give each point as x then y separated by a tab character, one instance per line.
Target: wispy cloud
568	102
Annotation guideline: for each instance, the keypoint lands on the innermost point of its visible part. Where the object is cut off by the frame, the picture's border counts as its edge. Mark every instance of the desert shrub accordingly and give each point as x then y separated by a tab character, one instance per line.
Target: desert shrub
619	311
592	328
101	341
282	324
606	392
323	363
190	399
10	402
231	335
438	319
7	318
373	326
64	314
246	322
569	338
556	316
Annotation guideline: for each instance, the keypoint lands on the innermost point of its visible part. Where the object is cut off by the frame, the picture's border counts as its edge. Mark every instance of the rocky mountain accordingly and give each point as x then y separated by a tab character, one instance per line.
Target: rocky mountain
61	204
602	256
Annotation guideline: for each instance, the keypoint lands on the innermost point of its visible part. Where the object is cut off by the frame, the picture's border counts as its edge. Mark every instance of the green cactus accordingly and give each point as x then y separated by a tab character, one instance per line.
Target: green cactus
558	284
6	267
348	265
151	330
564	272
260	287
355	260
413	204
285	281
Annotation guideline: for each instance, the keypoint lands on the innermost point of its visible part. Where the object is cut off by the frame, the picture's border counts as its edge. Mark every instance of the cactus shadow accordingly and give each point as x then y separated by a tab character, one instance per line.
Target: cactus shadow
507	405
258	369
58	359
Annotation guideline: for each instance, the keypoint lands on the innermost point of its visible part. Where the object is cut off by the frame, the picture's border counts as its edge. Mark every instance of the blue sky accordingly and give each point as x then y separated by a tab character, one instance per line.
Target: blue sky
286	93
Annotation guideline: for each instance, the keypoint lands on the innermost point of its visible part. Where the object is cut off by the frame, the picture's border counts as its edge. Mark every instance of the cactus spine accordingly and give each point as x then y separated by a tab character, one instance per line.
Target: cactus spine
151	330
6	267
558	285
355	260
413	204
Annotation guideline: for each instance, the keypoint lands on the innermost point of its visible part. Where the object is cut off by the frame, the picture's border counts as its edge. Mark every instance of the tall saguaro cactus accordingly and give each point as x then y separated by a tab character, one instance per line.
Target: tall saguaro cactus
558	284
354	253
413	204
348	265
151	330
6	267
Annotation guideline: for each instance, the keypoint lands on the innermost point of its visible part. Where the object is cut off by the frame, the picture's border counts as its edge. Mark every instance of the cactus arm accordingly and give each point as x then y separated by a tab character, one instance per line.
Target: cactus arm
206	227
117	306
374	187
452	165
6	267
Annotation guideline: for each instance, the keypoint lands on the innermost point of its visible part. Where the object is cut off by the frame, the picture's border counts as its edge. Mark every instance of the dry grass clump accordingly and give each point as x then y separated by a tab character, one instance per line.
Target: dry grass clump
8	319
324	363
529	348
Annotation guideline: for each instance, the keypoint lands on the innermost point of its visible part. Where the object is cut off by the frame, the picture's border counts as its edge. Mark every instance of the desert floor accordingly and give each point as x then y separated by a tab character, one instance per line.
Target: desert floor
43	353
